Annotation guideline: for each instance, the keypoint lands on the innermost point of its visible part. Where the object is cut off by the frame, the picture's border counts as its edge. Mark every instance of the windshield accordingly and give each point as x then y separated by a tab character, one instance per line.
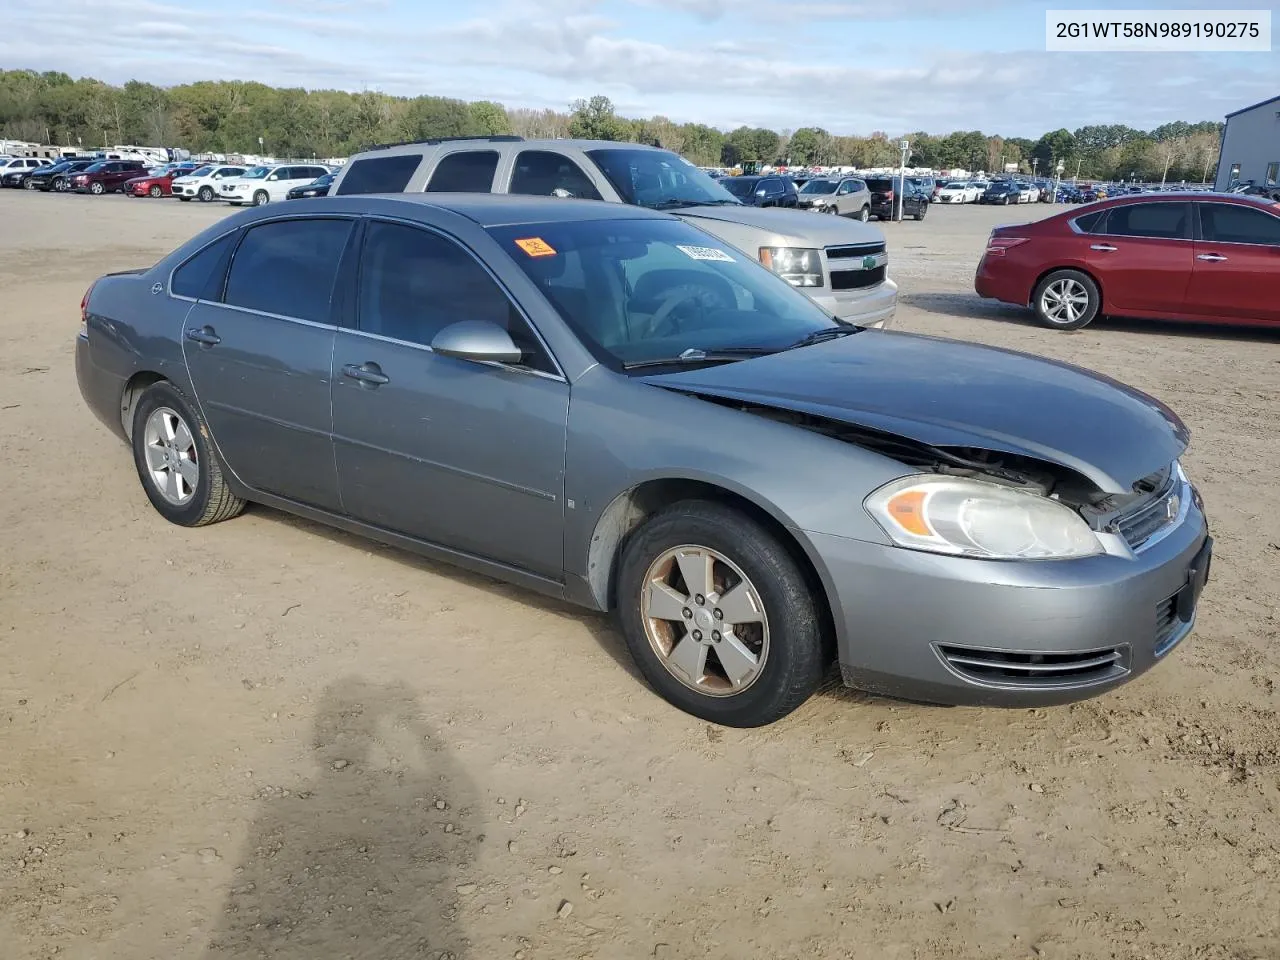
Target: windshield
257	173
740	186
95	168
199	172
636	291
658	178
819	186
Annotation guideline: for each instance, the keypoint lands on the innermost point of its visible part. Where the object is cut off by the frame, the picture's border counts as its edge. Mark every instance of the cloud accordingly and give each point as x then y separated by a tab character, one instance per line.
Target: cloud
650	57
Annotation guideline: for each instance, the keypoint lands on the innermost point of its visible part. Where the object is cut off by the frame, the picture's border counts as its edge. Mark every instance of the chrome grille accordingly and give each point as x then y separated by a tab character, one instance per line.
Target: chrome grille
1003	668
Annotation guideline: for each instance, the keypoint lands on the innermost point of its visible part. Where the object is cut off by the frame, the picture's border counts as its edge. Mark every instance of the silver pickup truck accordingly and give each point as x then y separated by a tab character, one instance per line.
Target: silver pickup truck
841	264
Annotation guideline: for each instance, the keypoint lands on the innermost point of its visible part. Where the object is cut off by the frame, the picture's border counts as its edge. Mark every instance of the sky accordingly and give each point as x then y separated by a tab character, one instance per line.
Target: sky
849	66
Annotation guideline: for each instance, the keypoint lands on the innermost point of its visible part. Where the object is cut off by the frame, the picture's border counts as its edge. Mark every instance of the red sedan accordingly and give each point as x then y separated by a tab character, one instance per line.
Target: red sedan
1203	257
153	185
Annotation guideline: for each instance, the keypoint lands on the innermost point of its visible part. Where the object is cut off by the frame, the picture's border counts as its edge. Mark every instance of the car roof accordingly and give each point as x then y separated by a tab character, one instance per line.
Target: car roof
423	146
1184	196
502	209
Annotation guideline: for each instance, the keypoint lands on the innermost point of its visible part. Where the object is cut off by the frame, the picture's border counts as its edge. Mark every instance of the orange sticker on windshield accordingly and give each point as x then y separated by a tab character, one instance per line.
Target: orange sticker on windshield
536	247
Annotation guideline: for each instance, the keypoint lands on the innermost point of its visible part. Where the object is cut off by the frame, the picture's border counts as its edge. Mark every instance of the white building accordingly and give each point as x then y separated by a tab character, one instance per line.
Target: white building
1251	146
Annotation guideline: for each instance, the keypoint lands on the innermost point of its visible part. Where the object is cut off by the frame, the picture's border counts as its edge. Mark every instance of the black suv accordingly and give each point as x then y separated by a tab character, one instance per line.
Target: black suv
885	200
763	191
57	177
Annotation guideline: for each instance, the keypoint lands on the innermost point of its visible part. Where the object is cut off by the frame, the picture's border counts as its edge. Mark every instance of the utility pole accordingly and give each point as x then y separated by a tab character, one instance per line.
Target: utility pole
905	147
1079	160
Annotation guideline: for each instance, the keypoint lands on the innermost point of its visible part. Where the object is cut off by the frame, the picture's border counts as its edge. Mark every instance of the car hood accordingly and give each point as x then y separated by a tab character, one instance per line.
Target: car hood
951	394
802	227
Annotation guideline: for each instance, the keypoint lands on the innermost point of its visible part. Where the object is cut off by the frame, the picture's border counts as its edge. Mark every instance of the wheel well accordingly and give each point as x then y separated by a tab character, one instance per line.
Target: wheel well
133	390
1031	295
630	509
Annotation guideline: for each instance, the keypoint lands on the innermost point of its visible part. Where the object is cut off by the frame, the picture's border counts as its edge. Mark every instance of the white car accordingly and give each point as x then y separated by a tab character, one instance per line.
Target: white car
203	183
14	164
958	191
1028	193
262	185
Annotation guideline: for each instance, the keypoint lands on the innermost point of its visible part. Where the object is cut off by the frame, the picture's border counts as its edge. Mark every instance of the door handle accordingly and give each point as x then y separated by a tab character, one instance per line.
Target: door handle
1212	257
204	336
368	374
1104	247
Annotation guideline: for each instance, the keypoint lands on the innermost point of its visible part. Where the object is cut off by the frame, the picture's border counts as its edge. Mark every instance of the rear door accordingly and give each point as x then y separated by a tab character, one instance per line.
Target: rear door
465	455
1237	263
259	349
1142	255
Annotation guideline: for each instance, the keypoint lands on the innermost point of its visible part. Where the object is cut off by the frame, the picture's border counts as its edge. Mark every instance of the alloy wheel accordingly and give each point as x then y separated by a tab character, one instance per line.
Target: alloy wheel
705	620
1064	301
172	460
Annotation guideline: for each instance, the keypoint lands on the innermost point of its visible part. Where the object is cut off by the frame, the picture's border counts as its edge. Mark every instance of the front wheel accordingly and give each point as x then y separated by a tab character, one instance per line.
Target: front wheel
261	198
718	615
206	194
1066	300
97	189
156	192
28	184
175	460
864	214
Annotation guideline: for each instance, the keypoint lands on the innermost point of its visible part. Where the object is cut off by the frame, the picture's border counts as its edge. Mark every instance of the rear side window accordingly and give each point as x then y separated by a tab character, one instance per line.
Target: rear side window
195	277
1161	221
288	268
1231	223
545	173
380	174
1090	222
470	171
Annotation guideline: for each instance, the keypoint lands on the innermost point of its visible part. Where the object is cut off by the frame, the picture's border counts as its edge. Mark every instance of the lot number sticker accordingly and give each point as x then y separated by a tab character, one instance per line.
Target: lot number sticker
705	253
536	247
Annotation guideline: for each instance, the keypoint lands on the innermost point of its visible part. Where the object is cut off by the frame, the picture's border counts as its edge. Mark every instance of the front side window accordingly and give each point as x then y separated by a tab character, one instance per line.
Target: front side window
659	179
740	186
545	173
414	283
1162	221
288	267
640	291
257	173
1273	173
192	279
1235	223
468	171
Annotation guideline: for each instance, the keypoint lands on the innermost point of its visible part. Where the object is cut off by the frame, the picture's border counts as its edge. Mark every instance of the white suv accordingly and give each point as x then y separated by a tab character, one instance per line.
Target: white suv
204	182
261	185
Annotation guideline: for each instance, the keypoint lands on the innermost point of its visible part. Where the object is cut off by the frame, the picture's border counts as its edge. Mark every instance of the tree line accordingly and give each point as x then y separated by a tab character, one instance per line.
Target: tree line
229	116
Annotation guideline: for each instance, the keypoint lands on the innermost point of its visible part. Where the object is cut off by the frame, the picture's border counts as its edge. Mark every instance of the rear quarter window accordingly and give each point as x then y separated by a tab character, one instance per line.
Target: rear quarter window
380	174
195	278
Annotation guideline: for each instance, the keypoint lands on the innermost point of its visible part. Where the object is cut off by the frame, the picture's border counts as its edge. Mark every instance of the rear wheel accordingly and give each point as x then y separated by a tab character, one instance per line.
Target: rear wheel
718	616
28	184
1066	300
176	463
921	210
864	214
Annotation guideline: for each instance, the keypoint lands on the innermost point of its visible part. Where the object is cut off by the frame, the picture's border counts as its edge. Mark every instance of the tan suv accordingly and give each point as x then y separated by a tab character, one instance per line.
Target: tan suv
841	264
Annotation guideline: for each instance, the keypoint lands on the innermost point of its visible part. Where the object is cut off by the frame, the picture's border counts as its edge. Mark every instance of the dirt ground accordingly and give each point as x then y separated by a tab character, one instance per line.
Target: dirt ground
267	739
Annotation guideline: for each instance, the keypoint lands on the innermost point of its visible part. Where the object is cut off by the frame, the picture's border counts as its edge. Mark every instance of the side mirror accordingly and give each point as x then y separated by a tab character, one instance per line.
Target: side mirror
273	177
477	340
761	192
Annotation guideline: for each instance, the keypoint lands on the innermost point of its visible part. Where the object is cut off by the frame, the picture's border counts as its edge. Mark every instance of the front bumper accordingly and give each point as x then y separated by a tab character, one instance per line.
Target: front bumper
921	627
866	306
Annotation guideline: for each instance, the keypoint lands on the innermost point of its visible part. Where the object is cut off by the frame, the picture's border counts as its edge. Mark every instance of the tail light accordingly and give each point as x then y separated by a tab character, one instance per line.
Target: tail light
888	194
996	246
84	311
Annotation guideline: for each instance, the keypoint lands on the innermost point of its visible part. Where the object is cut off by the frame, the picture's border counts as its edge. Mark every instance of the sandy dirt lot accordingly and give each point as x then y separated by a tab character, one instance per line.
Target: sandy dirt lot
267	739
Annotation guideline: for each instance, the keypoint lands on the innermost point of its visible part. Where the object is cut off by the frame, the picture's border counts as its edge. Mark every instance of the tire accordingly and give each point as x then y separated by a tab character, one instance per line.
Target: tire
833	210
97	188
210	500
27	184
787	640
206	194
60	185
864	214
921	210
1050	300
156	192
261	198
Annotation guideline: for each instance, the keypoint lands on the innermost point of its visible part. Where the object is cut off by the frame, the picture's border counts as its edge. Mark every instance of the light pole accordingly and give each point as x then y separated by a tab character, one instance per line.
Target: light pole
1034	163
905	147
1057	181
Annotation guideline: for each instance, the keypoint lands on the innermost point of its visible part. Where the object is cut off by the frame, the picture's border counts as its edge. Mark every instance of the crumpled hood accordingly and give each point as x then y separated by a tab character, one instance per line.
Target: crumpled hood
951	394
801	225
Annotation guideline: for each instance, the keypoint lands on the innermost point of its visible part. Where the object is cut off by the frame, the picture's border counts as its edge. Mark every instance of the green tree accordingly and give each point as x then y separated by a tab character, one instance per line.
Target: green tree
1060	145
488	119
595	119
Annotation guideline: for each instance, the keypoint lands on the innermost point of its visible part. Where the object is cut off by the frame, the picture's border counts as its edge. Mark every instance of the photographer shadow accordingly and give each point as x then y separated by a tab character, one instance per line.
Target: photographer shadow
363	859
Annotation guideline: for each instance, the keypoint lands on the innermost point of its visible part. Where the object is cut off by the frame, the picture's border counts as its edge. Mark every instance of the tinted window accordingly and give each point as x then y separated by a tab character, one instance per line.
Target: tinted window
192	278
288	268
380	174
880	184
657	178
1229	223
544	173
1159	220
470	171
1090	222
414	283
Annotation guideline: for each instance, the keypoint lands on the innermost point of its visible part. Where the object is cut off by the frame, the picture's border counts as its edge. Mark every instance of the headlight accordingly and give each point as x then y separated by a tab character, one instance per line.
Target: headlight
799	266
973	518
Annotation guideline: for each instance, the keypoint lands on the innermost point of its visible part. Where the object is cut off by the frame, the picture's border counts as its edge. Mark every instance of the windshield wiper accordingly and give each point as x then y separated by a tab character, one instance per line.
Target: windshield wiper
829	333
697	355
674	204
